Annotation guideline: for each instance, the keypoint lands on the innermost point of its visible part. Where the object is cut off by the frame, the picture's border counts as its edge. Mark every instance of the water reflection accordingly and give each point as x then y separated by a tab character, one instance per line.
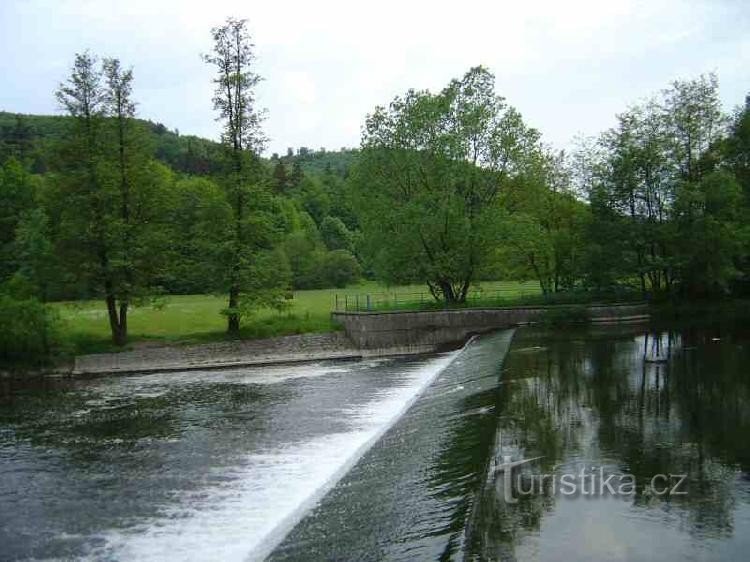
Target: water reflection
666	402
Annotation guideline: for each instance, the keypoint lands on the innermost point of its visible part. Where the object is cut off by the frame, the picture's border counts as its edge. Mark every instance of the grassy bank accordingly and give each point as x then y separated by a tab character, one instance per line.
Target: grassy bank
196	318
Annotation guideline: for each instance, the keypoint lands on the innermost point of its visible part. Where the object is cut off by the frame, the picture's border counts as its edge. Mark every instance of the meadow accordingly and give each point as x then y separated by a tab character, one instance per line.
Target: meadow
196	318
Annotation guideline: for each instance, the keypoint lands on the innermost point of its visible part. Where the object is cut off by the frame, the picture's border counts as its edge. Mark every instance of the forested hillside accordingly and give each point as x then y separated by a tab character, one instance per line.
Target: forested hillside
33	138
308	183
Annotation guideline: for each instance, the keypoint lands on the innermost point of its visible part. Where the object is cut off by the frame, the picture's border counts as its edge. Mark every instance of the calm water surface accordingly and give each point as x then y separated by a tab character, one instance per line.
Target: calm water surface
397	459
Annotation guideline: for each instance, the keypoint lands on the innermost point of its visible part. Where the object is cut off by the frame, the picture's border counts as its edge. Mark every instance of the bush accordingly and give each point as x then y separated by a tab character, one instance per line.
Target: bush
339	268
28	332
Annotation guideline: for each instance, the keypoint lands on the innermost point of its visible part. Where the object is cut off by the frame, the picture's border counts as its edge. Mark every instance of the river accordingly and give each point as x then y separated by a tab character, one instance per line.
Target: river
419	458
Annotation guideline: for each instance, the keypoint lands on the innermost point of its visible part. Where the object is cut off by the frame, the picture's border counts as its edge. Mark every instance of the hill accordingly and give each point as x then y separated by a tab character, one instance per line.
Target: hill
32	138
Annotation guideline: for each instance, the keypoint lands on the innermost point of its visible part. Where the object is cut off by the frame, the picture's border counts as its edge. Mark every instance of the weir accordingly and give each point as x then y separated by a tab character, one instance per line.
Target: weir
249	452
421	331
411	496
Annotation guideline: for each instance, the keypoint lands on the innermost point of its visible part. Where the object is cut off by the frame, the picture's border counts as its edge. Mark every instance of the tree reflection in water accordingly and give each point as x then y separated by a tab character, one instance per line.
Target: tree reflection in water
641	403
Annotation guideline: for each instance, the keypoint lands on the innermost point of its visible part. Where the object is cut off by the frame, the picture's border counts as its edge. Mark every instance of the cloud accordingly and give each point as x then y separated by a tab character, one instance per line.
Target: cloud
567	66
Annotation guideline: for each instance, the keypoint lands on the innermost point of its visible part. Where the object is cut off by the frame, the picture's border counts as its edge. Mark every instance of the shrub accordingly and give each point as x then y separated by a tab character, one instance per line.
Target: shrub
339	268
28	332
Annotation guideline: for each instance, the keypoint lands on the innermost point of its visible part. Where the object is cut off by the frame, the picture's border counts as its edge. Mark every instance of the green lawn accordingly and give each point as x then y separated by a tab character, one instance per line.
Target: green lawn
192	318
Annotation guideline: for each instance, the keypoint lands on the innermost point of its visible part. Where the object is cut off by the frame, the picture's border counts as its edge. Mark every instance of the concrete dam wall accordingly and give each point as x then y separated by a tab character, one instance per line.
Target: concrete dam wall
428	329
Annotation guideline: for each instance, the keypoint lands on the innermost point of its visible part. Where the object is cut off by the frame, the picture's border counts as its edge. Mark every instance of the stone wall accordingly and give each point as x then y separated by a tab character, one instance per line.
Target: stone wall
424	329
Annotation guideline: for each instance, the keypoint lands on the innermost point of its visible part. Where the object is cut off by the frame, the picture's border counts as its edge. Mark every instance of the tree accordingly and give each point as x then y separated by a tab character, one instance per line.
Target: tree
252	222
110	198
544	225
119	106
430	171
654	177
297	175
693	116
339	268
197	217
35	251
336	235
711	239
280	176
17	190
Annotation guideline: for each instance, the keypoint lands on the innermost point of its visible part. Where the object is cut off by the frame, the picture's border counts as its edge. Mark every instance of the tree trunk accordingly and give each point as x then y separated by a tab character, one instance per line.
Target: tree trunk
122	334
448	295
233	318
117	322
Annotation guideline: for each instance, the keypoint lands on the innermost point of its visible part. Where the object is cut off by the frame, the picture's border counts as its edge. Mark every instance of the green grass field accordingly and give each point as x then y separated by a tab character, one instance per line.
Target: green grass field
195	318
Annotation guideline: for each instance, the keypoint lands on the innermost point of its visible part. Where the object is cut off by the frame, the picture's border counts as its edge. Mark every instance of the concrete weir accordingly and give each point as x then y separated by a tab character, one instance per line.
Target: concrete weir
428	329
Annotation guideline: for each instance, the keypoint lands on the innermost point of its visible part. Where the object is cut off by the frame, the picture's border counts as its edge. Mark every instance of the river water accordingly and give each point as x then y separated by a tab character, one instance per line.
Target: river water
421	458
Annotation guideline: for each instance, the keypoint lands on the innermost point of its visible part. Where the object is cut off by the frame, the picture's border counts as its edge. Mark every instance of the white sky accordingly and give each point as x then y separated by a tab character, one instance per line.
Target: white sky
568	66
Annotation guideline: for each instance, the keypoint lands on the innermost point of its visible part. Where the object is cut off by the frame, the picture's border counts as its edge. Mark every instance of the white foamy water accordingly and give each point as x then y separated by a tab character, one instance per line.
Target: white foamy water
268	494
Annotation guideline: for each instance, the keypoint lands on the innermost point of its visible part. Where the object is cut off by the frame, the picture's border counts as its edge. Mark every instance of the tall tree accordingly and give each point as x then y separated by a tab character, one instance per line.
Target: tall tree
119	106
657	189
252	223
109	202
430	172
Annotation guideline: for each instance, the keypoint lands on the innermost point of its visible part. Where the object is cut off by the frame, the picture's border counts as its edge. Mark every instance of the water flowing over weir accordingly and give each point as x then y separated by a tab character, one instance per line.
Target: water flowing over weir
205	465
274	486
411	496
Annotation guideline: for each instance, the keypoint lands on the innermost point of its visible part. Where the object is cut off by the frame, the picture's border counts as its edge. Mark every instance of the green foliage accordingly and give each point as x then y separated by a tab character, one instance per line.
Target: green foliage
339	268
17	193
314	198
448	189
544	227
34	140
196	217
335	234
667	211
34	250
428	180
711	237
29	332
311	264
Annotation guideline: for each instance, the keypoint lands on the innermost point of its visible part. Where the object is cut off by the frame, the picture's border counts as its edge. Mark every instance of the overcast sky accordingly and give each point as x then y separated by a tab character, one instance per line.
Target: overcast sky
567	66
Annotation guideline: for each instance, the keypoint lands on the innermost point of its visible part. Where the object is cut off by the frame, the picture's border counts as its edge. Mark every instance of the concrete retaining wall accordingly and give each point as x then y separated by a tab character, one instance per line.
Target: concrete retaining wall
374	330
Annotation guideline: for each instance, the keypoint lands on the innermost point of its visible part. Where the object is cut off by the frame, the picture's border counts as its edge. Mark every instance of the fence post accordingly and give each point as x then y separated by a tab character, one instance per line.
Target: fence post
346	302
336	306
368	302
357	303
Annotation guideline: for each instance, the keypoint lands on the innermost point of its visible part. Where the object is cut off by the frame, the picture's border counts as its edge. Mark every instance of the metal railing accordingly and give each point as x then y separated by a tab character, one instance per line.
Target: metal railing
523	294
363	302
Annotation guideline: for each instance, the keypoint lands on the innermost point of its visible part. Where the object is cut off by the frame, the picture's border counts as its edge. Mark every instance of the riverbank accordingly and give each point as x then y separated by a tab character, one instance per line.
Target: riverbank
198	319
365	335
236	353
